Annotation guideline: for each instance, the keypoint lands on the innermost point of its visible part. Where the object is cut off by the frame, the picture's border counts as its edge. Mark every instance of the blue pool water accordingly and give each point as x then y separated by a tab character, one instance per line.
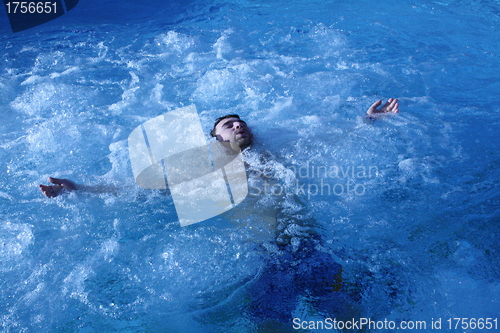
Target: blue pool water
417	237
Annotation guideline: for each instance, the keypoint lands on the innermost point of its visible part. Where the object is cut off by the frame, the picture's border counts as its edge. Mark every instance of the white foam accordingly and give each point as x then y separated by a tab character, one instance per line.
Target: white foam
5	195
32	80
42	139
174	43
222	46
15	239
128	96
37	99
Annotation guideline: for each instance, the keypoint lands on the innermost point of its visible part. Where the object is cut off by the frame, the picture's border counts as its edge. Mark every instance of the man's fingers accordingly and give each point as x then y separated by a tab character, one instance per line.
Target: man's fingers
54	180
63	182
376	104
48	191
373	108
391	106
394	106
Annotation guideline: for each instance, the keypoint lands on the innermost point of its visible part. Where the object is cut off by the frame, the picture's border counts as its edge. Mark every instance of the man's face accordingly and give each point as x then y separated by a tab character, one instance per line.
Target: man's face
234	130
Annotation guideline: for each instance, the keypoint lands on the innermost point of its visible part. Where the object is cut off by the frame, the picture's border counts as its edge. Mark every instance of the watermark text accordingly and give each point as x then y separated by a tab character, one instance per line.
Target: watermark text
312	180
367	323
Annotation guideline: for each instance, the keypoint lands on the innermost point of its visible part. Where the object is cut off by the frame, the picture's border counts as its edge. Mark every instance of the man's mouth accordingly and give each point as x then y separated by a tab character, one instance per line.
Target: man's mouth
241	132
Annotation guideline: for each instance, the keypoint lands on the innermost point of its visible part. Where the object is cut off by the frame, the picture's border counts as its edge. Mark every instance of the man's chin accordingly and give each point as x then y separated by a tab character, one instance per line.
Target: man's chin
243	142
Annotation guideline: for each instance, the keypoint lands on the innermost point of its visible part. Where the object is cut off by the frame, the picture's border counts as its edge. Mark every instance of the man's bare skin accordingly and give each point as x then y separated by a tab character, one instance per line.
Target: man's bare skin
61	185
391	107
230	130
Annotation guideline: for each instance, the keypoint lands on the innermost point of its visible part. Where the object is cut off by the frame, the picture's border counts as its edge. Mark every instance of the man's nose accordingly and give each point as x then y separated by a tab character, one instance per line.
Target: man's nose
237	125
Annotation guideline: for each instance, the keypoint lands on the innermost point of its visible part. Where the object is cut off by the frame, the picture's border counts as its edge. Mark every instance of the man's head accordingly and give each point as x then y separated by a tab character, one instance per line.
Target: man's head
231	128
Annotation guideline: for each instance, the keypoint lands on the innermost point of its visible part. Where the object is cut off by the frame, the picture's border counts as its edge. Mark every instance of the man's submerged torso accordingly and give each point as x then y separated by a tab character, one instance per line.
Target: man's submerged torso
272	212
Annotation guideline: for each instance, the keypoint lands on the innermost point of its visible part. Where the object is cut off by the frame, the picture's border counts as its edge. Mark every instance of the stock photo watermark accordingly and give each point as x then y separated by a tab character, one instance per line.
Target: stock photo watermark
319	180
204	179
28	14
447	324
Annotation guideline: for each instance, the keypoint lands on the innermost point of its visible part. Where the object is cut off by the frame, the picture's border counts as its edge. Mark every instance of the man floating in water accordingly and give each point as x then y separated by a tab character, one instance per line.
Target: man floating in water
228	129
296	264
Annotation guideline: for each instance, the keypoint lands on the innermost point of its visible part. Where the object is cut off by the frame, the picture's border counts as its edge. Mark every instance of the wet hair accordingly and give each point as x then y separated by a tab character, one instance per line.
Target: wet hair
218	120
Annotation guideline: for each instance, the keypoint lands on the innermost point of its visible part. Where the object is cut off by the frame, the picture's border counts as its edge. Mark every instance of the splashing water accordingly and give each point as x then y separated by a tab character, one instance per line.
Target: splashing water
407	205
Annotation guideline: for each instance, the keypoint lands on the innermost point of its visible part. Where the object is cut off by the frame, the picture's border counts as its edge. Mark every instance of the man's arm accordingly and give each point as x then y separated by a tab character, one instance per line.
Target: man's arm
65	185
